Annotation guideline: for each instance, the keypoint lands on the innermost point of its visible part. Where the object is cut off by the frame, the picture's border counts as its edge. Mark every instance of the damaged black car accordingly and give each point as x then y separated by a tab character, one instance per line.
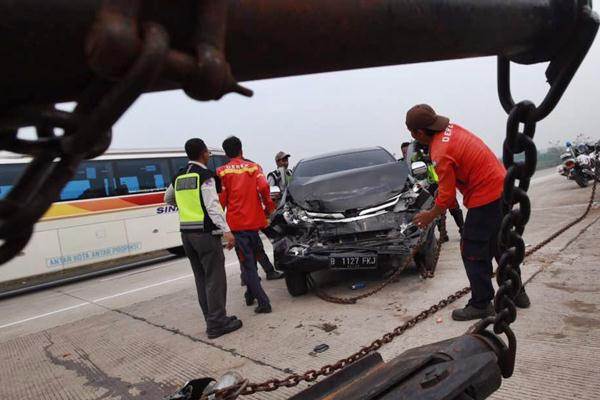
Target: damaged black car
351	210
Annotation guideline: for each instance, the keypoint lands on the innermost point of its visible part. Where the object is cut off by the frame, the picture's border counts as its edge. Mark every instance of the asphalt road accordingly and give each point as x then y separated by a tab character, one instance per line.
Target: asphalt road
140	334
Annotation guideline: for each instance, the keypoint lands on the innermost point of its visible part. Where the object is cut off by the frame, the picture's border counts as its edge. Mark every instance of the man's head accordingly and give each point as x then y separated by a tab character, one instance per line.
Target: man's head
233	147
423	123
282	159
196	150
404	148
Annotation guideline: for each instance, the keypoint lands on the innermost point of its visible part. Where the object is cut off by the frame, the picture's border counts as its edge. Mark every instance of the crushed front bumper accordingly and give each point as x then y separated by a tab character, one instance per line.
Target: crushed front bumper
389	252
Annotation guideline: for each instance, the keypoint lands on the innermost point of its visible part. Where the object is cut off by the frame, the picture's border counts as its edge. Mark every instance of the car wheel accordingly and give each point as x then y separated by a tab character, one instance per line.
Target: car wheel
178	251
296	283
427	258
581	180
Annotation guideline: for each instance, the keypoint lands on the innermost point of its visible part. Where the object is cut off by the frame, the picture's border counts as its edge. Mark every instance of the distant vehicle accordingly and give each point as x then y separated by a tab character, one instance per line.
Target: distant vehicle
350	210
113	207
579	163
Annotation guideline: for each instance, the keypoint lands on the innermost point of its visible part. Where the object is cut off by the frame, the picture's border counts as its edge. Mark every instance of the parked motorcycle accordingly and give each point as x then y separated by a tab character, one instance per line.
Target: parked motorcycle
579	163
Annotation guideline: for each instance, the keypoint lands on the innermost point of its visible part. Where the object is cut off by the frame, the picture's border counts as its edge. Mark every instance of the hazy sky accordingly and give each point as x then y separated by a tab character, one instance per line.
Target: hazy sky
312	114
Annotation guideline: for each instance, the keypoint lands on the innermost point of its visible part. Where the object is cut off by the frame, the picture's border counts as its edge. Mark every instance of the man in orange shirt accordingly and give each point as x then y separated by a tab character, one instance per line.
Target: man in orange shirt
246	196
463	161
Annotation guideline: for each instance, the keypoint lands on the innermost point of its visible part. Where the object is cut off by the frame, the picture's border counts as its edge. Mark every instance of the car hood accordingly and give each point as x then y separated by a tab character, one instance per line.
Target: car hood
349	190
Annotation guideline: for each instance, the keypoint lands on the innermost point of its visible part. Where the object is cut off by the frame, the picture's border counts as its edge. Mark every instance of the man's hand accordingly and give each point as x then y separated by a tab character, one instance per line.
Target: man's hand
423	219
230	239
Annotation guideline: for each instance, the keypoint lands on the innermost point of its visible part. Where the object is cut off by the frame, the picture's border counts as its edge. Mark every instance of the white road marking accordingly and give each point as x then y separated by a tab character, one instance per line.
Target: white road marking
100	299
44	315
112	278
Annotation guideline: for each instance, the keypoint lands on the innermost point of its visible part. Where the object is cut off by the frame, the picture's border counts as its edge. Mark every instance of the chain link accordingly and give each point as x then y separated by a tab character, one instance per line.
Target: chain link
127	56
514	221
86	134
312	375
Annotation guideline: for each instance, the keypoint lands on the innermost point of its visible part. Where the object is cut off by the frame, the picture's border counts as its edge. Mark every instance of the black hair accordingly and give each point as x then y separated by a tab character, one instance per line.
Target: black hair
194	148
430	132
232	146
404	144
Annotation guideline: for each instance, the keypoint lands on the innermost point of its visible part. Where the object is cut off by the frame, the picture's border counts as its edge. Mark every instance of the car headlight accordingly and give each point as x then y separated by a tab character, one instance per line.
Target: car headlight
294	215
407	199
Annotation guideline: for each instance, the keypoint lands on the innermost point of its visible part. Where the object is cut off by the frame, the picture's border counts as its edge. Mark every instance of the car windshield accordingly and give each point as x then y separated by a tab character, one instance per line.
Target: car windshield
342	162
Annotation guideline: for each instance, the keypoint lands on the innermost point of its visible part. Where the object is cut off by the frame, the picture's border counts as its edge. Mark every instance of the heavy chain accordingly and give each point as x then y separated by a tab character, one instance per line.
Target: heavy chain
126	57
425	274
510	239
86	134
311	375
559	73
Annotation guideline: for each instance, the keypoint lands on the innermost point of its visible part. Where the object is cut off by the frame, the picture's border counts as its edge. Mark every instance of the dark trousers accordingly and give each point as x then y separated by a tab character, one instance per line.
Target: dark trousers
457	214
478	247
263	259
205	253
248	246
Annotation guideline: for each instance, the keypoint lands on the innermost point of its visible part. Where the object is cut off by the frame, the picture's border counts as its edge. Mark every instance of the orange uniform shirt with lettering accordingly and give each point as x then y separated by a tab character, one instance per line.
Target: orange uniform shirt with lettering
464	162
245	194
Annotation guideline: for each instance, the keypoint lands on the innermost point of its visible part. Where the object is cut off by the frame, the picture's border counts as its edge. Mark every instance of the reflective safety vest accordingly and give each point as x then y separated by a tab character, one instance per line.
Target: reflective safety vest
188	197
432	176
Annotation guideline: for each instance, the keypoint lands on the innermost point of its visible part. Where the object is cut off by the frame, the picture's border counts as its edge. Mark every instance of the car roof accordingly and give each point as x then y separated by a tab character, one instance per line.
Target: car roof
342	152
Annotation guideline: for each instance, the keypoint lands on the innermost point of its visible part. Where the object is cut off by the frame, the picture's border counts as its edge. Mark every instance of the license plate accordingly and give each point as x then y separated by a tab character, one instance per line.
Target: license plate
353	262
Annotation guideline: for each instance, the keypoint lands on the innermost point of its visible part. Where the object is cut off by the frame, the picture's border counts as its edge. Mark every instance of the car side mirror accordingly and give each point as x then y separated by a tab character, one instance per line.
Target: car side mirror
419	170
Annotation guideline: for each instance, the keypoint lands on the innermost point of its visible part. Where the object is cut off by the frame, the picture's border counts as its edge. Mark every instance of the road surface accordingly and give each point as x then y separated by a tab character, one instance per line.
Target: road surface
140	334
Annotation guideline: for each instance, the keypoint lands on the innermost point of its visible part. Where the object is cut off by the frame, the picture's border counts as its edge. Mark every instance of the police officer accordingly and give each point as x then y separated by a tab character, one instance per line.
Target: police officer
282	175
202	224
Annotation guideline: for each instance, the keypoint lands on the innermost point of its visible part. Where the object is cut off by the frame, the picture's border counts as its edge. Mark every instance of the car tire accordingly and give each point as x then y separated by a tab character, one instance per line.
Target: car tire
581	180
296	283
178	251
426	259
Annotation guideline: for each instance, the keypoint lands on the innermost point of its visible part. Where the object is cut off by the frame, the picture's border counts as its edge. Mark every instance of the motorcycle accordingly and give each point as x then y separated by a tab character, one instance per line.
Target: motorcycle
579	163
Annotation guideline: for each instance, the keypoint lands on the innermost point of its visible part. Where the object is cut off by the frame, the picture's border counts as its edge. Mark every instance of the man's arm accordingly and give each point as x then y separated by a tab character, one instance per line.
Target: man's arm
215	211
446	196
170	196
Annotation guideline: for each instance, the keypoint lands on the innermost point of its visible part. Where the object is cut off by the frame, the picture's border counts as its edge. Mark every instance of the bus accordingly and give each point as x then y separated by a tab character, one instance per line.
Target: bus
113	207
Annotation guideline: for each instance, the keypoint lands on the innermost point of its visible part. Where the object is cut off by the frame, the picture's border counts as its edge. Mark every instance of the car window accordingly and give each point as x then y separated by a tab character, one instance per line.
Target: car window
342	162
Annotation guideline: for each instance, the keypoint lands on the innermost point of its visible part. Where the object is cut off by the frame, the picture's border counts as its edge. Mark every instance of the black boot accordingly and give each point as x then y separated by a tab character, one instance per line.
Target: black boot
470	312
264	309
229	326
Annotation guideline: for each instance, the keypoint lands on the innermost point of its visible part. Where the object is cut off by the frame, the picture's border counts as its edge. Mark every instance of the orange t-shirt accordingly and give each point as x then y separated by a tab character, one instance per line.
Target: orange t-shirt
464	162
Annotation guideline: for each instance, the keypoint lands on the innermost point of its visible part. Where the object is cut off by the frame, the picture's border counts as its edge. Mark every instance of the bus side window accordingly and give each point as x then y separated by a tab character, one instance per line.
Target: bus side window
176	165
9	175
92	180
141	175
